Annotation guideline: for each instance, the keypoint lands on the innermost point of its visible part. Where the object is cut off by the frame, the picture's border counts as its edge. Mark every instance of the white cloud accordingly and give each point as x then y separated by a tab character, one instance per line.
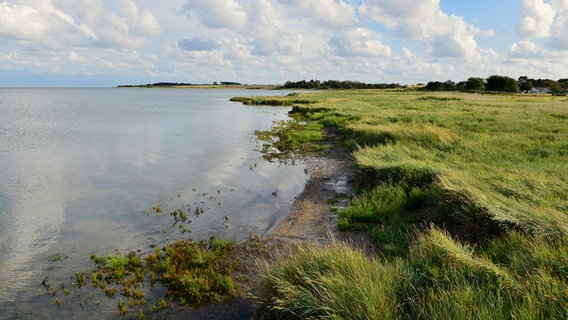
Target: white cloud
489	33
358	42
444	35
559	38
233	49
277	40
73	56
218	13
268	32
11	17
525	50
408	54
559	5
329	13
455	40
537	19
77	23
140	23
547	20
405	15
198	44
546	64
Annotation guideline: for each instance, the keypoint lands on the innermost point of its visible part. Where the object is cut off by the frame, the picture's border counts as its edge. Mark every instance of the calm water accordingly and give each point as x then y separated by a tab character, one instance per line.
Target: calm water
78	167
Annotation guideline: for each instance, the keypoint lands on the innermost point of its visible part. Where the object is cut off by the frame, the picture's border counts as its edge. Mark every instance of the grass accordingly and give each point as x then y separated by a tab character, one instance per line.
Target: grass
355	287
466	196
272	101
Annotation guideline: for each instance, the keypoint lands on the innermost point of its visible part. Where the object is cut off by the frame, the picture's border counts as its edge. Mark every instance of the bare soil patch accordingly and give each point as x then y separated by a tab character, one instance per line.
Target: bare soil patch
313	215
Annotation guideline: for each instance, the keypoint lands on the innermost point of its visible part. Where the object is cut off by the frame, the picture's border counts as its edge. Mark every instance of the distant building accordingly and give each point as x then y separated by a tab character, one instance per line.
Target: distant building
540	90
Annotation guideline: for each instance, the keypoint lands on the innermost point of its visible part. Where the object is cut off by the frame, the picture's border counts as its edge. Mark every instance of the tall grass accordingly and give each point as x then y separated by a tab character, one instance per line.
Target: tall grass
450	280
328	283
466	196
440	278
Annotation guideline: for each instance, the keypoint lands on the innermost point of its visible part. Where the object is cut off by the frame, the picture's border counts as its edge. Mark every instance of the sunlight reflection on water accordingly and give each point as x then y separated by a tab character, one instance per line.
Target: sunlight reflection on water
79	166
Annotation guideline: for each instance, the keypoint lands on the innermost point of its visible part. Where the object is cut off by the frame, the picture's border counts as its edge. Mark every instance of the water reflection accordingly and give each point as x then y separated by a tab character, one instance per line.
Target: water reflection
80	166
32	216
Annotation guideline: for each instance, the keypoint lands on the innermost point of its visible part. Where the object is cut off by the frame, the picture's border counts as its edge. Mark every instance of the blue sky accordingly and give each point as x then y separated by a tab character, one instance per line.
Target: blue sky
111	42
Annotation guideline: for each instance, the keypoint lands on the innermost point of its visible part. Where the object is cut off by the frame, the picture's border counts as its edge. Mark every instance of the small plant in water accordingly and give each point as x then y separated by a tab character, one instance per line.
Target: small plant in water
290	138
193	273
57	257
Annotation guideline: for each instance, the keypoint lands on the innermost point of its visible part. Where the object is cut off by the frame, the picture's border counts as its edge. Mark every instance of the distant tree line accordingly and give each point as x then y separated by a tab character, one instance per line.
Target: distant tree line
168	84
157	84
335	84
500	84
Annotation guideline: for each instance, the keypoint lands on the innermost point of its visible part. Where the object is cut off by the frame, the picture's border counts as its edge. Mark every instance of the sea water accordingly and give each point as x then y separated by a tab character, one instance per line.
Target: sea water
82	171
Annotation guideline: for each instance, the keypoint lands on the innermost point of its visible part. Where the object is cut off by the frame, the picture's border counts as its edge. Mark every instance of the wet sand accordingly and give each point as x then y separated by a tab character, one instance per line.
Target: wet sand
313	215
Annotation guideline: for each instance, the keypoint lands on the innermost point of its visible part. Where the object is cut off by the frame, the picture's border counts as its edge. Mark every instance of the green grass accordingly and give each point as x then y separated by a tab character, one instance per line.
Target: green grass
272	101
327	283
466	196
450	280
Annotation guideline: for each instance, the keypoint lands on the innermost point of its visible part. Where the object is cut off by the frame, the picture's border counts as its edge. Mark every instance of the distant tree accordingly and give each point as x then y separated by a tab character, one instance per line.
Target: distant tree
435	86
331	84
556	87
525	84
335	84
448	85
474	84
502	83
523	79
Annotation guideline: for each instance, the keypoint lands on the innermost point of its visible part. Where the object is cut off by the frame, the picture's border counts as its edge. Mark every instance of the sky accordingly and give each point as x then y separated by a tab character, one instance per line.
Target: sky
103	43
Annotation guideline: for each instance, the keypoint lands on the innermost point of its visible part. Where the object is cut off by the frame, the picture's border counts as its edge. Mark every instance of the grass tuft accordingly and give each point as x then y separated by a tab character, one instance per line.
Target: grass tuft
335	282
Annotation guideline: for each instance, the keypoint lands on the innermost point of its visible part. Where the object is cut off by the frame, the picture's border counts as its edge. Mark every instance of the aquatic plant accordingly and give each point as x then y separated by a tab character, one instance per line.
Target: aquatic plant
290	138
194	272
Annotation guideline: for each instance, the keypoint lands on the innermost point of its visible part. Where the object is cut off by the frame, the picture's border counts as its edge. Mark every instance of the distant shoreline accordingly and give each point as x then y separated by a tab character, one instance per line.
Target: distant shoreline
205	86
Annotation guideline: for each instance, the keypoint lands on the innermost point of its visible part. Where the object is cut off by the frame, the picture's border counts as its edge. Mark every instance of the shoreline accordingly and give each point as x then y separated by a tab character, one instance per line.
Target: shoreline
203	86
310	219
313	214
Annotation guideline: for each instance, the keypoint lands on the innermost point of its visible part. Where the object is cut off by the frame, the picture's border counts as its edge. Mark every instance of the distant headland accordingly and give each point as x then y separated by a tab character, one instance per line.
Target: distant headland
494	83
214	85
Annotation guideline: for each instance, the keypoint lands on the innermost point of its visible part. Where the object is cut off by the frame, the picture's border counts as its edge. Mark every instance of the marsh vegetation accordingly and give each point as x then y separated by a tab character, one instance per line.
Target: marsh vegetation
191	272
466	197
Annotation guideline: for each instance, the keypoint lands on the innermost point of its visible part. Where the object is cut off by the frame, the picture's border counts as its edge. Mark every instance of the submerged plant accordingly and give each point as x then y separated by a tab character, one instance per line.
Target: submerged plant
193	272
289	138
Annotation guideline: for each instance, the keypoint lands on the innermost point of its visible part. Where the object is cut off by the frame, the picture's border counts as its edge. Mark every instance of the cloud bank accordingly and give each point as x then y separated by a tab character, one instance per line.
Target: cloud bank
271	41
